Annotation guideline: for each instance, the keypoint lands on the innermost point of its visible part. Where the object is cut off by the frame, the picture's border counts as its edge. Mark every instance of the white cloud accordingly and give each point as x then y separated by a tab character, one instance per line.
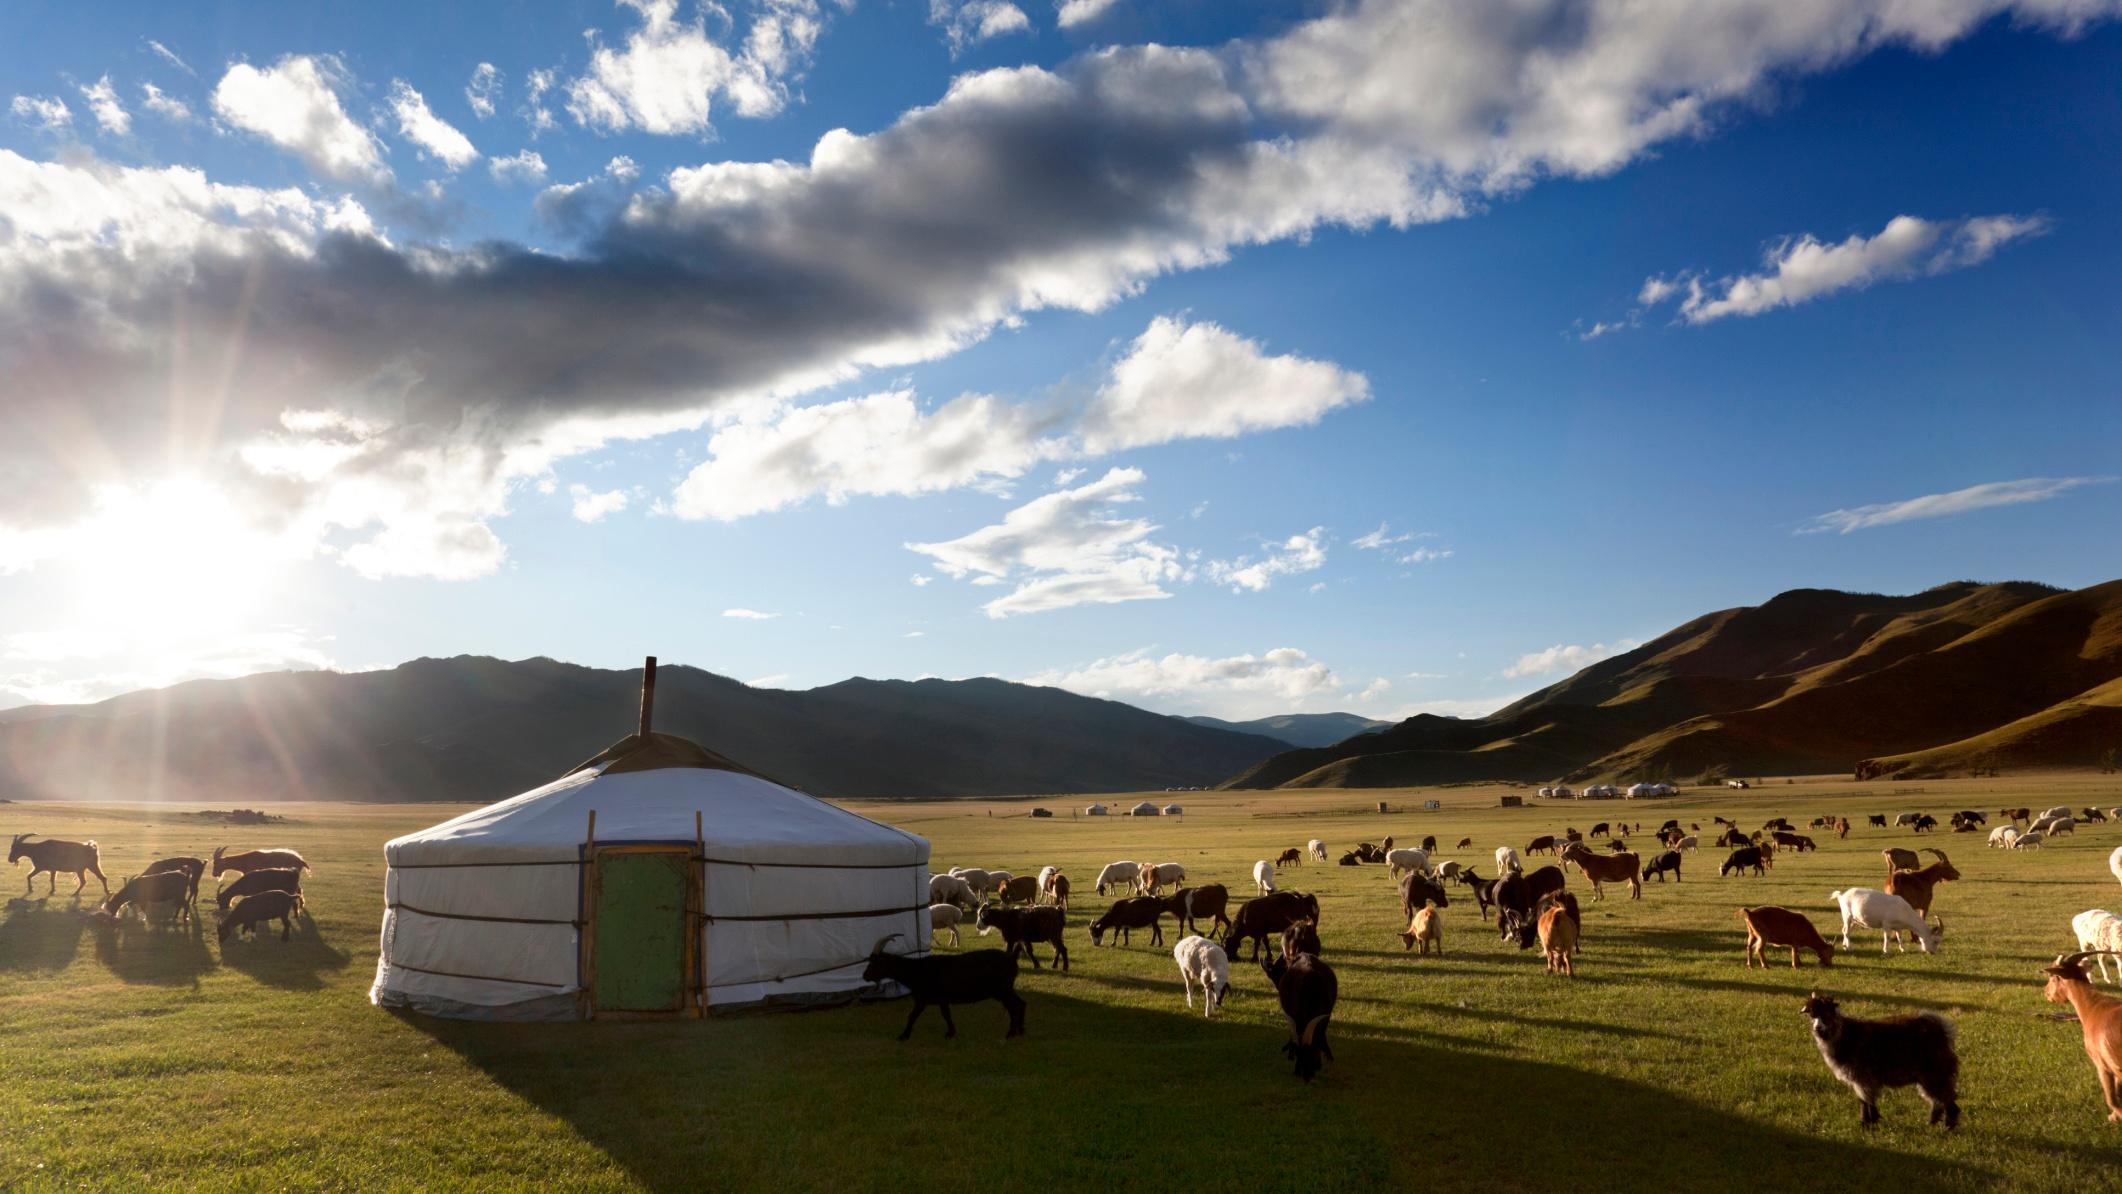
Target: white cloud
419	124
591	506
922	580
170	56
915	634
1802	268
526	166
483	89
165	105
969	22
777	680
1427	555
667	76
749	615
1071	13
1063	549
1184	380
1607	328
1240	686
1944	505
535	113
102	99
1566	658
294	103
1383	538
98	667
1300	553
47	112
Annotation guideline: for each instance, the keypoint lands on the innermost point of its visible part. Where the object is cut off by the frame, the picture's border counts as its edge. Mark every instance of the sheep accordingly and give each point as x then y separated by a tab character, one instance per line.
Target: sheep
1117	873
1449	869
2100	1018
2028	841
1208	902
2061	810
1316	848
1602	869
282	906
1898	859
1918	886
965	978
1024	927
1558	936
1686	841
941	917
2099	934
1263	877
1888	913
1906	819
52	856
1023	889
256	860
1407	860
1507	860
151	895
190	868
1872	1055
2114	863
1203	961
2001	837
2056	825
1133	912
257	882
1427	927
949	889
1307	989
1668	861
1290	857
1259	918
1739	860
1159	875
1782	928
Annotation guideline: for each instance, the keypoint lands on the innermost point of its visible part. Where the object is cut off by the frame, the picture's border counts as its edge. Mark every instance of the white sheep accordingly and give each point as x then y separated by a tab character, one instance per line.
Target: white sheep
2028	841
2099	930
1686	843
1906	819
1117	873
1203	961
949	889
976	878
2001	837
1264	876
997	880
2061	810
1448	870
2062	825
1407	859
1507	860
1154	877
2114	862
1317	848
1046	884
941	917
1890	914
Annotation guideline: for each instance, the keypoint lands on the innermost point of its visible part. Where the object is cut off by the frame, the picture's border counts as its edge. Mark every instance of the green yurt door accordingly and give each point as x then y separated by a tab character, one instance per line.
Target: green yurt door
639	930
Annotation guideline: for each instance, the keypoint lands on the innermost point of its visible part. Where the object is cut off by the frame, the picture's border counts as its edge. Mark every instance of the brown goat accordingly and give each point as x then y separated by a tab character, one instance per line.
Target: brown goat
152	894
256	910
1606	868
256	860
1290	857
1544	844
1426	927
2101	1018
51	857
1558	938
1782	929
191	868
1020	890
1917	886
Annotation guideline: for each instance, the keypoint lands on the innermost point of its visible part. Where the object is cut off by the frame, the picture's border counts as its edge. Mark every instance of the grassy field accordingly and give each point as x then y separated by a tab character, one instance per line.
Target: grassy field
1665	1065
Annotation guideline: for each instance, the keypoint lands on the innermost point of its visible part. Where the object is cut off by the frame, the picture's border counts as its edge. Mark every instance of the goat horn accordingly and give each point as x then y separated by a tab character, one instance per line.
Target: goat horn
879	947
1940	853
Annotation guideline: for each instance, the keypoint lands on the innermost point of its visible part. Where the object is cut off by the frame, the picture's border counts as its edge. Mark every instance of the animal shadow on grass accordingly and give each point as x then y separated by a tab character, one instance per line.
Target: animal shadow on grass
168	957
742	1099
38	936
297	964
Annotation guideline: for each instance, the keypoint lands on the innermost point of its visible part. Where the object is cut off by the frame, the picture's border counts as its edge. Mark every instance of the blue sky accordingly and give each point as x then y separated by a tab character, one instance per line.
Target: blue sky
1093	354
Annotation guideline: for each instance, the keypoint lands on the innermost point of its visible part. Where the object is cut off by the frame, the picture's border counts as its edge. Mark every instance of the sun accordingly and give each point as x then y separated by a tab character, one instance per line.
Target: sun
168	563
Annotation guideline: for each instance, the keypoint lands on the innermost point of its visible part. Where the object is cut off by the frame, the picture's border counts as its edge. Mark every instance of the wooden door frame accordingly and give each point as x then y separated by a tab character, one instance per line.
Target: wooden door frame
692	978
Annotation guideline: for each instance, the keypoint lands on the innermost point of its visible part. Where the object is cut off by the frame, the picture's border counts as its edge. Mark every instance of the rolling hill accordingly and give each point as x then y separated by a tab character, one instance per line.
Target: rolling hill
475	728
1960	676
1298	729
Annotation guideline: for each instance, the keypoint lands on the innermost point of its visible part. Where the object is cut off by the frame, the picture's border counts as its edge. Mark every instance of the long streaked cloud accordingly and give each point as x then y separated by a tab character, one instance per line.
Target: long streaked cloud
165	105
1945	505
1275	681
1566	657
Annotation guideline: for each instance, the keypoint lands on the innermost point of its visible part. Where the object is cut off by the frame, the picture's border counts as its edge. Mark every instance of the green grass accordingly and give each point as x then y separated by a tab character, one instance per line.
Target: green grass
136	1055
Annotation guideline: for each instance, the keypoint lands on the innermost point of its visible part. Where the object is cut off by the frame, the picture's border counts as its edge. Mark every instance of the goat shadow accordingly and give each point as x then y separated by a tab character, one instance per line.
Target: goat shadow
301	963
745	1099
38	936
155	955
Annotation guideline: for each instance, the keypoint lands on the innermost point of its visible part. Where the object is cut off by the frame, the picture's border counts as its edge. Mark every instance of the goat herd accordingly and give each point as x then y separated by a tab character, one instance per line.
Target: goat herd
1867	1055
267	887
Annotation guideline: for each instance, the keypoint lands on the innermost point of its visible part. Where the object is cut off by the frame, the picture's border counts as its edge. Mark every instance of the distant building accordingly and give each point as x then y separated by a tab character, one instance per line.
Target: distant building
1095	810
1144	809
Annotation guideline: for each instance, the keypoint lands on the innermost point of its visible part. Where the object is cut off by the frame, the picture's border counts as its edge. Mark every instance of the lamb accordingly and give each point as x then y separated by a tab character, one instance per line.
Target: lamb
282	906
1507	860
949	889
52	856
1263	876
965	978
2099	934
2099	1016
1872	1055
941	917
256	860
1407	860
1162	874
1024	927
1427	927
1918	886
1888	913
1117	873
1782	928
257	883
1317	849
1203	961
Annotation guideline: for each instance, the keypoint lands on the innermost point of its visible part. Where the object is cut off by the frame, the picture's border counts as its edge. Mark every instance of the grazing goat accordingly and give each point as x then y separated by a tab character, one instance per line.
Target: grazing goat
1407	860
1516	895
1307	990
941	917
1021	889
1782	929
1917	886
2016	814
1133	912
1427	927
1890	914
190	868
51	856
1685	841
1160	875
2061	810
1021	928
1415	891
1317	849
1203	961
1208	902
1879	821
2030	840
1263	877
1599	830
1734	837
1429	844
949	889
1740	859
1668	861
2099	934
964	978
256	860
2092	816
166	895
2099	1016
1117	873
1898	859
1260	918
1906	819
1871	1055
1606	868
1507	859
282	906
1058	892
1544	844
1289	857
256	882
1968	814
1794	841
1558	937
1465	842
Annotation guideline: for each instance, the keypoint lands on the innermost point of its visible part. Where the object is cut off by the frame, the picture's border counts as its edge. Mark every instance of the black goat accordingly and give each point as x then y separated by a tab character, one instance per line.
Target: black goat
1878	819
1264	916
1740	859
1668	861
1429	844
282	906
1210	901
1872	1055
1134	912
255	882
942	981
190	868
150	894
1350	859
1307	989
1516	895
1414	890
1023	927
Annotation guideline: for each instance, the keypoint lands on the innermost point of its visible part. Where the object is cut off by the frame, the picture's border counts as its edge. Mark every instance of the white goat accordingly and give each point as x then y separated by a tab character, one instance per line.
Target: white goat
1203	961
1117	873
2028	841
1317	848
1686	843
1507	860
949	889
2099	930
1906	819
1154	877
2114	862
1264	876
2001	837
1046	884
941	917
1407	859
1890	914
1448	870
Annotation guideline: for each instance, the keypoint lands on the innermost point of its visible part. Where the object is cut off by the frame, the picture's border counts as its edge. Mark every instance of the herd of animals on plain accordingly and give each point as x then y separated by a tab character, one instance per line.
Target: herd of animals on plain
1282	927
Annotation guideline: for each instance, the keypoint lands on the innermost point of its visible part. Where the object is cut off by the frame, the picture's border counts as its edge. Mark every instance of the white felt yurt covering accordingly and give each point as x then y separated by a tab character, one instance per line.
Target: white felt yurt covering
484	914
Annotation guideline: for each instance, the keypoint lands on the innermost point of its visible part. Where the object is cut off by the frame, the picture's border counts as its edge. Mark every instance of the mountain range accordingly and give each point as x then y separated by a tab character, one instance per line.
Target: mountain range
1959	677
1298	729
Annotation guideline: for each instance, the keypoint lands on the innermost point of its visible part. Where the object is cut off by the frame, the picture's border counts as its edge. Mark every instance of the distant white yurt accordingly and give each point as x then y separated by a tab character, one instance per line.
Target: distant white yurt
1638	791
1144	809
1173	810
1095	810
1562	792
657	878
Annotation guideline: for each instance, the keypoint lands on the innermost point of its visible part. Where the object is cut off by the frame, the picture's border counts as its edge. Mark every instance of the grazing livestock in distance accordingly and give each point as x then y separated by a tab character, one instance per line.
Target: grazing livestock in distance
190	868
1134	912
1507	859
2001	837
165	896
1160	875
1794	841
1289	857
1429	844
2016	814
256	882
1734	837
2030	840
1685	841
1118	873
1317	849
1740	859
1544	844
1888	913
949	889
1021	928
1917	886
1263	877
1600	830
1605	868
1260	918
1879	821
1782	929
1464	842
2099	1016
1350	859
1021	889
1906	819
51	857
1898	859
1558	937
1449	869
2092	816
1417	890
1427	927
963	978
1203	961
282	906
1516	895
1208	902
1407	860
1871	1055
2099	934
1668	861
256	860
941	917
2061	810
1307	990
975	877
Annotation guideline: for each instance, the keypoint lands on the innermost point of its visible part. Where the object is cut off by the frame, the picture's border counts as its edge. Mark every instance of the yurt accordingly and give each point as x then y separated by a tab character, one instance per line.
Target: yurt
1094	810
657	879
1144	809
1173	810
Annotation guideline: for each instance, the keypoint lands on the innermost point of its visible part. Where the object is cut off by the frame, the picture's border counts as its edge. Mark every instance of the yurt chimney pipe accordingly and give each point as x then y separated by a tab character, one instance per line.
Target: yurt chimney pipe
648	694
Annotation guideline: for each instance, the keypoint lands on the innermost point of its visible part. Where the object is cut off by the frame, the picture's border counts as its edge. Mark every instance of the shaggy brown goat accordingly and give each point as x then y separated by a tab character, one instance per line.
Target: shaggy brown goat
1918	886
1782	929
51	857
